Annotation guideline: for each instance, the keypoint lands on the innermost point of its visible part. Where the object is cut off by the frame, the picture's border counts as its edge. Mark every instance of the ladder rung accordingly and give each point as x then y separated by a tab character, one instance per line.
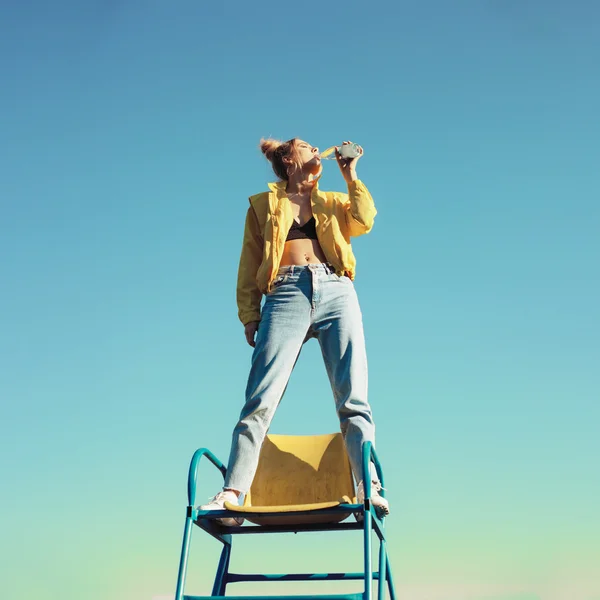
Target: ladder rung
311	597
237	577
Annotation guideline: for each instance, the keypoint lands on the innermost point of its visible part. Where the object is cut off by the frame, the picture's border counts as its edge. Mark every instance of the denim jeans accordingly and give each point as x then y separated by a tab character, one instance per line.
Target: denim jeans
305	302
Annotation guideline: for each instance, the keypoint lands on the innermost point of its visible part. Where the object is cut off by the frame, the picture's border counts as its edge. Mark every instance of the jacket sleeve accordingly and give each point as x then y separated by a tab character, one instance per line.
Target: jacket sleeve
359	208
248	294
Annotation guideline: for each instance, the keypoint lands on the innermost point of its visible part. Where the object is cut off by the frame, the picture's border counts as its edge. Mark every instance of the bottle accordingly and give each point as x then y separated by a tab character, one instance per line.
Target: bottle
347	151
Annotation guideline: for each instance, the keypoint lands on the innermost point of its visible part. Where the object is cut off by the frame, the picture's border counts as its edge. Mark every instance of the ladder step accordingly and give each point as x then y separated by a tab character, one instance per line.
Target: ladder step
237	577
358	596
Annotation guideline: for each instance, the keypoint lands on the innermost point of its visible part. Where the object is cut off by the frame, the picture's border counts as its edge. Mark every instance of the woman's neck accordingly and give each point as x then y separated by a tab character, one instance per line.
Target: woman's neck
300	185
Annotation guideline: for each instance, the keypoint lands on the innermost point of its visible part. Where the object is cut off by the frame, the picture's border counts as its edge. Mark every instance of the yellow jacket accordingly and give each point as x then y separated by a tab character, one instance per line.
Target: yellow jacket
338	217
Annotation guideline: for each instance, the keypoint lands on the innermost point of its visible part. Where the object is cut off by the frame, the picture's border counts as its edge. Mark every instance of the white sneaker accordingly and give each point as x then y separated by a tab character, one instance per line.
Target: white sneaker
218	503
382	506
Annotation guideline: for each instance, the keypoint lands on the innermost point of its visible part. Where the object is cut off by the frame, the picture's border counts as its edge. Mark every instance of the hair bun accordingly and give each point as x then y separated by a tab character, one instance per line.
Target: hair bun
268	147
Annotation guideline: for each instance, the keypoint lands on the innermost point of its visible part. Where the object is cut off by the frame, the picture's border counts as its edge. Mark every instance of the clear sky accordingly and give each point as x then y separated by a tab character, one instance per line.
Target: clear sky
128	148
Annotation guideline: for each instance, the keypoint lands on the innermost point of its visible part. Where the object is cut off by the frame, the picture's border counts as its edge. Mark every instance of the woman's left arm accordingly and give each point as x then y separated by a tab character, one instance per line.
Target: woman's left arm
359	207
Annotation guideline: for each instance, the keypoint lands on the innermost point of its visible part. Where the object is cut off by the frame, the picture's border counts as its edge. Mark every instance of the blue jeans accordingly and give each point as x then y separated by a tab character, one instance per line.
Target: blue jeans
306	301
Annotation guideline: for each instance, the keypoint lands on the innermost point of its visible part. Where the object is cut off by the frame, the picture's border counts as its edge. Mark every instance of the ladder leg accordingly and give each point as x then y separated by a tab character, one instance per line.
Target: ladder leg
185	550
382	570
390	581
222	570
368	563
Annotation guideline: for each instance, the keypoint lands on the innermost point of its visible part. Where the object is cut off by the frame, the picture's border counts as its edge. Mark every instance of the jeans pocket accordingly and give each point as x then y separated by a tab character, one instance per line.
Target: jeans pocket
343	278
279	280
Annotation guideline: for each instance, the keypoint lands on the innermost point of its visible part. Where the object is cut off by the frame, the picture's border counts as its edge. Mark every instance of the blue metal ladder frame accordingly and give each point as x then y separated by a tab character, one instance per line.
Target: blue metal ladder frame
370	522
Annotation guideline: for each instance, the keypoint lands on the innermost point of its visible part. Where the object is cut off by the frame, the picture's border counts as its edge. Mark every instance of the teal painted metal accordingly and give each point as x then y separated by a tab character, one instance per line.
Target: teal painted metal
367	551
190	516
378	526
370	523
193	473
185	551
390	579
373	522
213	514
326	597
221	578
369	455
258	529
382	567
237	577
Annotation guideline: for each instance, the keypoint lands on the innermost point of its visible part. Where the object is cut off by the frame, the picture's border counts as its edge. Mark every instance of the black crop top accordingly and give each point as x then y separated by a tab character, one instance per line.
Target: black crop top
308	231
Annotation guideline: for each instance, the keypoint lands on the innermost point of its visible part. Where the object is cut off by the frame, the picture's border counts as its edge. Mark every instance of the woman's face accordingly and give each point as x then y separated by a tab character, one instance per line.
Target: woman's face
307	157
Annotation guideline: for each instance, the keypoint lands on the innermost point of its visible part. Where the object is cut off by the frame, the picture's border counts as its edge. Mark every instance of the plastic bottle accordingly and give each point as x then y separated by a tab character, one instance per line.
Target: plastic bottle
347	151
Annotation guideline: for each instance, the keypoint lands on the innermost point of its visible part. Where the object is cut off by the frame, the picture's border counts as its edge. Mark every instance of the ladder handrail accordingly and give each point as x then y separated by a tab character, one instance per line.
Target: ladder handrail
369	455
193	473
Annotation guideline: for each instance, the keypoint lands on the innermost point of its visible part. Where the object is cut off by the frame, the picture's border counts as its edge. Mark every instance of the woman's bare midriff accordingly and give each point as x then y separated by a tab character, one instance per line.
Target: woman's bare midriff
302	252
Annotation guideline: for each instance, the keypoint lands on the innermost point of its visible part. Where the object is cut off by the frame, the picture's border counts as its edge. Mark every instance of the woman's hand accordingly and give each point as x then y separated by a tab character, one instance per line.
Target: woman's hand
250	330
348	165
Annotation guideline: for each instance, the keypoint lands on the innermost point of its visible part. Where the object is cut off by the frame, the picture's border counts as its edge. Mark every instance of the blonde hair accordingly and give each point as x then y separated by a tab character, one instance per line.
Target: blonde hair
275	151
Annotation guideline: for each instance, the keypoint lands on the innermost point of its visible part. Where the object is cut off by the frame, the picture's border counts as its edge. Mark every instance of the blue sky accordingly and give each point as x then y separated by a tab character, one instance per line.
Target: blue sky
128	150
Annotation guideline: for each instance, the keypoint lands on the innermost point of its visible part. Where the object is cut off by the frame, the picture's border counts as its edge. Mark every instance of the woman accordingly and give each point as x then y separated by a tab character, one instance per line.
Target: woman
296	251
